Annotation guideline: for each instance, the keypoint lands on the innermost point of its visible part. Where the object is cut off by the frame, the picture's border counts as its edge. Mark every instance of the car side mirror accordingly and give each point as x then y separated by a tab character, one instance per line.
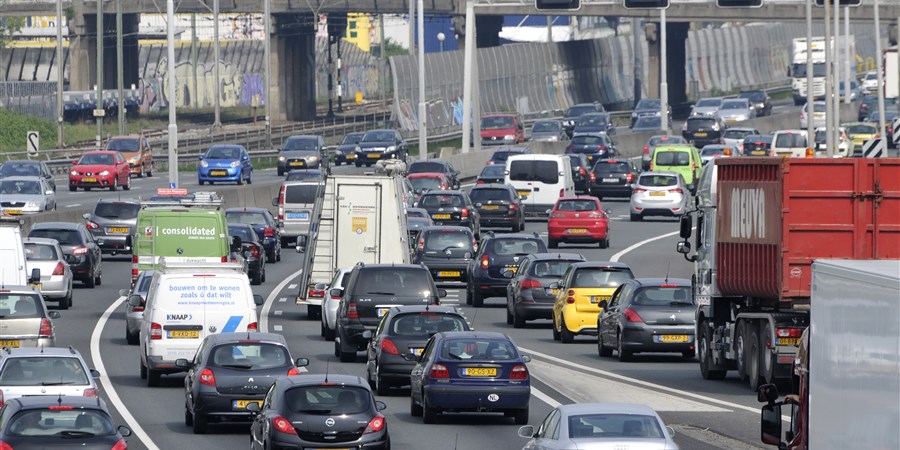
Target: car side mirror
380	405
442	293
683	247
124	431
200	158
86	216
770	424
301	362
258	300
526	359
367	334
134	300
124	293
336	292
95	373
182	363
602	304
35	276
75	163
274	201
53	314
685	226
508	274
548	211
767	393
253	407
526	431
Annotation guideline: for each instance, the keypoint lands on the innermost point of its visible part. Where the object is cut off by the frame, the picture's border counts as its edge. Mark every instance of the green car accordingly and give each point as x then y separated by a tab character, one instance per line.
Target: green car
681	159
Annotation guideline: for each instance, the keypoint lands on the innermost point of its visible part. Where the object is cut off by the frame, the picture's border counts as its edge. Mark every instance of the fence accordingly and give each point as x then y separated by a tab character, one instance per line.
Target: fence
37	98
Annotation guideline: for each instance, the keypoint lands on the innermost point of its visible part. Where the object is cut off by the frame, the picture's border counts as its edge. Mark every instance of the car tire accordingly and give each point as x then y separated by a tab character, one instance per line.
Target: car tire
429	414
115	186
689	353
740	351
521	416
322	328
127	186
509	316
153	377
278	254
280	173
263	277
337	348
477	299
98	280
624	355
313	312
518	319
636	217
150	172
468	297
200	423
565	336
552	243
602	350
200	182
64	302
250	178
188	417
515	228
256	279
415	409
382	388
271	259
131	339
240	179
329	334
143	371
72	188
90	282
556	335
604	243
358	164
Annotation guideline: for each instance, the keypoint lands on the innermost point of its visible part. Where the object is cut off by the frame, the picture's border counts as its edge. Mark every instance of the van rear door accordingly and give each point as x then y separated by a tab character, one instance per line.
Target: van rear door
358	224
299	203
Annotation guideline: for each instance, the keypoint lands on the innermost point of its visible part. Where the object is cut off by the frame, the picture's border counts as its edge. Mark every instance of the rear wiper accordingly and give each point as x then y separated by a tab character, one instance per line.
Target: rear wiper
680	304
380	293
238	366
75	433
454	356
56	383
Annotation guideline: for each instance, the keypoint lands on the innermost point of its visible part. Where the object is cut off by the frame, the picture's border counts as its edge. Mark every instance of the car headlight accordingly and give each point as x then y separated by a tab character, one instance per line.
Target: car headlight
554	138
657	114
74	172
235	164
313	158
634	114
357	149
204	164
392	148
508	137
281	158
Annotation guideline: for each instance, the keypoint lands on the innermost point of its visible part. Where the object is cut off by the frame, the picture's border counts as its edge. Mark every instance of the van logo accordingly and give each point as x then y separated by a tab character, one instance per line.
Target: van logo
179	316
748	209
180	251
212	328
148	231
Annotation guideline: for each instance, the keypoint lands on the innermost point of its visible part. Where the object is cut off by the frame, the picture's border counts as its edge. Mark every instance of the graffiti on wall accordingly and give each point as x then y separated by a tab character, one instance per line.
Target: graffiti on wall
235	89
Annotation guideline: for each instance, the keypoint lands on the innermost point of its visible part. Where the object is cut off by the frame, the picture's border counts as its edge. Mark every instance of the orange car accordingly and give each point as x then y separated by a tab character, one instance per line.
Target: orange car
136	151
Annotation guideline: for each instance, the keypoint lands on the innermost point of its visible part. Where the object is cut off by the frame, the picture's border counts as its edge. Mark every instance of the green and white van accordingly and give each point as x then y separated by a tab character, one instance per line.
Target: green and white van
682	159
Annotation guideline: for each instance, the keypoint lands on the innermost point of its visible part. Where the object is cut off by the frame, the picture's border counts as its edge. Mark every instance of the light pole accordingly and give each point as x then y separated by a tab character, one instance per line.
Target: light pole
120	73
60	72
423	122
268	55
170	93
810	98
440	38
663	76
99	111
217	121
878	69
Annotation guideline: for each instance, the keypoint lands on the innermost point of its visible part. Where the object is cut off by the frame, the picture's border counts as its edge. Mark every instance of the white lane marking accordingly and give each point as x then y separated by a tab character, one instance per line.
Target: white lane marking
264	314
282	299
617	256
108	387
276	327
74	205
544	398
292	286
278	313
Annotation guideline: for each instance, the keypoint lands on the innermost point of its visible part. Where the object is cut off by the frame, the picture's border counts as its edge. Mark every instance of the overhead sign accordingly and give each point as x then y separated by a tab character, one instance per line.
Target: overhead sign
739	3
839	2
556	5
646	4
171	191
874	148
32	142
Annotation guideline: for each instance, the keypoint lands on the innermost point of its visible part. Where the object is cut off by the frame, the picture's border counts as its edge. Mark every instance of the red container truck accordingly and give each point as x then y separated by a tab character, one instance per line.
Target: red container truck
758	224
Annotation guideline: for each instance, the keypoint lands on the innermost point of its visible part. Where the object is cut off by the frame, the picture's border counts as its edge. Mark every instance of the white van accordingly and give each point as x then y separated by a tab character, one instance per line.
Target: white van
187	302
540	180
789	143
13	270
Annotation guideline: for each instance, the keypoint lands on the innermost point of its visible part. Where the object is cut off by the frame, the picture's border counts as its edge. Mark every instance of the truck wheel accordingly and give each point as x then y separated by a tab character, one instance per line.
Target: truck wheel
705	351
740	351
766	360
753	360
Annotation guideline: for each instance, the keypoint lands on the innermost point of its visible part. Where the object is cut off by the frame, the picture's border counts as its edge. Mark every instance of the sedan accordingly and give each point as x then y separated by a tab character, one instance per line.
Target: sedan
265	226
706	107
659	194
613	178
648	107
734	137
134	314
56	277
595	147
491	174
735	110
500	155
759	102
60	422
380	144
756	145
529	296
647	315
451	208
252	250
25	195
100	169
548	130
230	163
346	151
577	219
457	371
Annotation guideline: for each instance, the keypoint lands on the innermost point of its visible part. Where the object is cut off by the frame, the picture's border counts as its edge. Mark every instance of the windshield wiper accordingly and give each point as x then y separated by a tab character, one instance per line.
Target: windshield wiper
238	366
680	304
380	293
75	433
56	383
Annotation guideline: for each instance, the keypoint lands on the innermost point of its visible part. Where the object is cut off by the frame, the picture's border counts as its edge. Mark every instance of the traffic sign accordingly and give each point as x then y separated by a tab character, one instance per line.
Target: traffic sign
874	148
171	191
647	4
32	142
739	3
896	127
566	5
839	2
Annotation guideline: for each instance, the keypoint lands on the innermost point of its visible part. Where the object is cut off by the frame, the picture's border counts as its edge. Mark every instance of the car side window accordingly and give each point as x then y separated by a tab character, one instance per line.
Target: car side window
545	425
553	426
198	357
428	350
622	295
270	397
566	277
523	267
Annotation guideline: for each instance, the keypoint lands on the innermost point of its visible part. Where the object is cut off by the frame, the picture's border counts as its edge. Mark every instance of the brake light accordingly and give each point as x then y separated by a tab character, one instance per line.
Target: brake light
639	189
646	149
120	445
562	192
59	269
464	213
282	425
570	296
789	332
528	283
137	309
252	327
375	425
439	371
207	377
629	178
46	328
80	251
479	181
316	293
1	404
155	331
694	166
254	251
601	147
668	285
90	393
593	177
676	190
292	372
632	316
61	408
651	167
134	268
387	346
513	207
518	372
91	225
268	232
225	259
421	246
351	311
484	262
582	171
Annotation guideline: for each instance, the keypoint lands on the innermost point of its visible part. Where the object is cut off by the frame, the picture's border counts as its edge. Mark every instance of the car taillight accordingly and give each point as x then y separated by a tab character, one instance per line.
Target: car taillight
59	269
1	404
134	268
593	177
601	147
596	215
91	392
120	445
562	192
646	150
484	262
632	316
582	171
513	207
254	251
375	425
518	372
651	167
479	181
351	311
252	327
789	332
629	178
639	189
387	346
676	190
46	328
421	246
439	371
155	331
91	225
80	251
268	232
464	213
225	259
282	425
570	296
137	309
316	293
207	377
528	283
292	372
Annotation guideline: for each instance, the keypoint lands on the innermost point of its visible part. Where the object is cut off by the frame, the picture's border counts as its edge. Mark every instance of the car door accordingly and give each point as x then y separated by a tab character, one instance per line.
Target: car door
614	311
514	288
196	365
246	165
91	244
561	295
416	377
604	323
48	176
372	348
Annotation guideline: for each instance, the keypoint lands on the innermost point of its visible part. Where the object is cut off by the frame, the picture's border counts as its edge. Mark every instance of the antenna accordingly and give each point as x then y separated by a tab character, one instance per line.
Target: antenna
667	271
474	316
327	361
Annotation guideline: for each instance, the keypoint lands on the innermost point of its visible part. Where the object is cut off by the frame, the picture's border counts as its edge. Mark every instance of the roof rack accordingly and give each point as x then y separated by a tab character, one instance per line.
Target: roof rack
199	199
163	265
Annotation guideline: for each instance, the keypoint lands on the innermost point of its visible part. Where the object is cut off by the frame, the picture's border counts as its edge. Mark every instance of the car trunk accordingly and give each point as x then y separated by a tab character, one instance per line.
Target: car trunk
587	299
236	381
675	313
342	428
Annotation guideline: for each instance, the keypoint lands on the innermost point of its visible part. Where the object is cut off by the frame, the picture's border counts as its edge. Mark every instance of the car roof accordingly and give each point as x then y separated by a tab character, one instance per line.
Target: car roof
18	289
654	173
319	378
114	201
423	161
449	192
679	147
296	182
741	129
304	136
45	401
489	186
684	282
49	351
535	157
475	334
246	209
22	161
512	236
500	115
577	197
56	225
621	408
418	210
394	266
100	152
605	264
555	256
222	338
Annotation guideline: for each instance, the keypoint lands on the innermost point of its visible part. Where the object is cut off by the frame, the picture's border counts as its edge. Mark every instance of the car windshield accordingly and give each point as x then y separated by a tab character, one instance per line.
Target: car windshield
421	184
43	371
223	153
301	193
588	140
593	121
790	140
478	349
14	169
817	107
577	111
534	170
102	159
673	158
663	295
303	175
614	426
440	242
734	104
648	122
513	247
548	126
756	96
124	145
247	217
352	138
600	277
489	194
246	234
550	269
441	201
657	180
708	103
120	211
493	170
64	237
20	306
21	187
872	76
799	70
378	136
61	421
425	323
304	143
712	151
40	252
328	399
497	123
249	355
393	281
424	167
648	103
735	134
576	205
861	129
612	167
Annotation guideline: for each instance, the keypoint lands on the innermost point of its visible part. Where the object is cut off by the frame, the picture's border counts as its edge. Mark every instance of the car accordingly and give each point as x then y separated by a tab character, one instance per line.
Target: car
252	251
682	159
416	220
539	180
528	295
458	370
332	303
818	115
648	123
136	150
99	169
26	320
706	107
855	91
319	411
869	103
653	142
405	330
647	315
56	276
581	175
409	195
659	194
296	203
594	123
889	116
498	205
491	175
46	371
28	168
648	107
759	102
424	182
789	143
613	178
870	82
451	208
60	421
371	291
82	252
500	155
756	145
575	111
445	251
595	147
599	425
225	163
229	372
498	129
135	313
346	151
578	219
858	133
264	225
112	223
703	130
548	130
844	142
580	290
305	175
734	137
435	165
708	152
377	145
302	152
497	253
25	195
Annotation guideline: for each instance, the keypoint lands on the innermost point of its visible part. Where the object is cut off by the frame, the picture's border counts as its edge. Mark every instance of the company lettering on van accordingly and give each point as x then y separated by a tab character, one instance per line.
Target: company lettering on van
189	231
206	294
748	214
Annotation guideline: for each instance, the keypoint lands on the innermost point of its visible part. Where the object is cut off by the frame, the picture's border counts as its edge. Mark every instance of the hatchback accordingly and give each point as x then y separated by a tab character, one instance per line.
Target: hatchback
252	251
582	287
757	145
265	226
305	175
595	147
491	174
112	224
435	165
416	220
100	169
347	150
594	123
576	111
134	314
26	321
497	254
56	277
734	137
136	150
446	251
735	110
405	330
60	422
498	205
659	194
500	155
26	195
302	152
380	144
706	107
708	152
529	295
818	115
423	182
581	171
470	371
82	252
451	208
759	102
548	130
653	142
319	411
26	372
647	315
578	219
223	162
702	130
613	178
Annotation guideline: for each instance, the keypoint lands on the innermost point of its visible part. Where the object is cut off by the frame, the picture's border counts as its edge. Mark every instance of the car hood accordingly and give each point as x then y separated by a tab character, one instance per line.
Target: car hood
706	110
498	133
298	153
21	198
93	168
220	162
129	155
375	144
733	112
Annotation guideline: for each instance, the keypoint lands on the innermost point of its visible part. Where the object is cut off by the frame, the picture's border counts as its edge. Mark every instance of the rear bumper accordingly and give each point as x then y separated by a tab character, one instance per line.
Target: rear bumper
648	339
113	243
57	287
475	398
618	191
497	221
563	232
221	406
490	286
531	311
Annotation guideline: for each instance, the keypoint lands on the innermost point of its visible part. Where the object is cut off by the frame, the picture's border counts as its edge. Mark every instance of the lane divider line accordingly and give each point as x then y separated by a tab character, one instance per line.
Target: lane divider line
283	299
293	286
617	256
264	314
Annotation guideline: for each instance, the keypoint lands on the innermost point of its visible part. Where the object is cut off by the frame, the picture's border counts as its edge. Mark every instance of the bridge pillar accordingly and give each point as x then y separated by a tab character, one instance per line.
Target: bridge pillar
83	50
293	66
676	38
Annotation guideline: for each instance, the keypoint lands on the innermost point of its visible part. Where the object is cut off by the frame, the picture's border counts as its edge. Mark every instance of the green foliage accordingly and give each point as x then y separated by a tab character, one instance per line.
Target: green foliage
8	27
391	48
16	126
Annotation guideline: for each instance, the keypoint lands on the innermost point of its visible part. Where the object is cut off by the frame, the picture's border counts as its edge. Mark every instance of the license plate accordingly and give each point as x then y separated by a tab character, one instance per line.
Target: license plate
13	212
512	269
184	334
382	311
10	343
490	207
479	371
242	404
351	156
657	194
35	285
700	134
298	215
118	230
441	216
577	230
218	173
788	341
673	338
416	351
523	193
296	163
759	152
89	180
730	120
596	299
374	155
446	273
552	291
610	180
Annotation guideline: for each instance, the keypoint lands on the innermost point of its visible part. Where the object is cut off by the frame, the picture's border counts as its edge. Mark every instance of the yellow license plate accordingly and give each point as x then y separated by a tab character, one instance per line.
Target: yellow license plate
700	134
441	216
10	343
490	207
552	291
759	152
416	351
512	269
89	180
382	311
296	163
525	193
242	404
184	334
351	156
577	230
657	194
13	212
218	173
445	273
35	285
673	338
119	230
597	299
788	341
374	155
480	371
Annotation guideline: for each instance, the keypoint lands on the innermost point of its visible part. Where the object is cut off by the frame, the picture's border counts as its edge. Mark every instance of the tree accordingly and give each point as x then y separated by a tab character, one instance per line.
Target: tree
8	27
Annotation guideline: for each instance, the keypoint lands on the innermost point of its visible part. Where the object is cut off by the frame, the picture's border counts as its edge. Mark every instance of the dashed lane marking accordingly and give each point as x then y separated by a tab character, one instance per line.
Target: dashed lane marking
292	286
74	205
278	313
276	328
264	314
282	299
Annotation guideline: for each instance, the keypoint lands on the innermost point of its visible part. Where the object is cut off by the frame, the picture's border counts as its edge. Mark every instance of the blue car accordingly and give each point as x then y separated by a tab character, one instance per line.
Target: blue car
470	371
229	163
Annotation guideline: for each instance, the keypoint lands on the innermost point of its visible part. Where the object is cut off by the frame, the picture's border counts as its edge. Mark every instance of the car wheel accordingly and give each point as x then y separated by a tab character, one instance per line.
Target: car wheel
240	179
636	217
256	279
99	279
556	334
518	319
740	351
153	377
468	297
415	409
115	185
127	186
382	388
358	164
143	371
429	414
90	282
250	178
521	417
514	228
346	356
72	188
602	350
131	339
565	335
278	254
477	299
624	355
689	353
329	334
150	172
766	363
263	277
188	417
552	243
337	348
87	189
200	424
604	243
64	302
509	316
270	258
200	182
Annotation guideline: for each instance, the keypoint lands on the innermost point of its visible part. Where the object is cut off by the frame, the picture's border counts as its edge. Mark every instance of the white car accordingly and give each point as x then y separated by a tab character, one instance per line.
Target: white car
331	304
843	146
56	276
734	137
46	371
818	115
708	152
659	194
870	82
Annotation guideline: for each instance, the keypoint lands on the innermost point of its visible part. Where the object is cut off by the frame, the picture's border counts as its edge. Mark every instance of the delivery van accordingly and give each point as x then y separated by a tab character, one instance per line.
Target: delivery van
13	270
540	180
187	302
296	204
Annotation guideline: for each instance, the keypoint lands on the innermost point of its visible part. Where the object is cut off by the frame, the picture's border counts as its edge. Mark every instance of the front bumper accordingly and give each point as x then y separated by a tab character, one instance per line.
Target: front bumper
451	397
92	182
218	173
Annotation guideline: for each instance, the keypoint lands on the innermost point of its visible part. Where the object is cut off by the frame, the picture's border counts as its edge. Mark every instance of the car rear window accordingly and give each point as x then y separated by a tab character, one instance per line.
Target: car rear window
701	123
818	107
328	400
64	237
654	141
540	171
43	371
393	281
614	426
249	355
735	134
493	171
514	247
117	211
244	233
600	277
14	169
440	241
657	180
421	184
712	151
301	193
40	252
648	122
124	145
441	200
588	140
546	269
423	167
60	422
617	167
861	129
673	158
489	194
790	140
663	295
478	349
20	306
576	205
416	213
247	217
425	323
503	155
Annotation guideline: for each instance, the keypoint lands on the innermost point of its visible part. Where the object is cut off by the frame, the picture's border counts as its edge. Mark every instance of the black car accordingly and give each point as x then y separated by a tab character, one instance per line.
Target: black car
51	421
703	130
446	251
869	104
613	178
503	153
498	205
28	168
497	254
263	224
302	152
576	111
492	174
529	296
82	252
305	175
594	123
319	411
251	249
370	293
346	151
648	107
380	144
451	208
229	372
757	145
112	223
406	330
580	171
595	147
438	166
759	102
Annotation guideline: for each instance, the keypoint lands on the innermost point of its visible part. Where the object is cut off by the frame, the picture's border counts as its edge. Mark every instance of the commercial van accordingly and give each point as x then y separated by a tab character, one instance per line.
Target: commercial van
187	302
789	143
681	159
540	180
296	204
13	270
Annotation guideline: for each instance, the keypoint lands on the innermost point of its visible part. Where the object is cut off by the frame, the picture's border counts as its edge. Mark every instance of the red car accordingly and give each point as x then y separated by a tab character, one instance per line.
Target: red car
428	181
578	219
100	169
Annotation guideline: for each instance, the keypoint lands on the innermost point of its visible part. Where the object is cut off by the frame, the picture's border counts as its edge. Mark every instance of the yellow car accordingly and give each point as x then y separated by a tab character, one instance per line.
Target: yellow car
859	133
582	287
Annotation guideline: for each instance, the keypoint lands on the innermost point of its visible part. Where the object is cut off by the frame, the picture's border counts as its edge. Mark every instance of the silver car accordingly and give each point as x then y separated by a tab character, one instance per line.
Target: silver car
296	204
659	194
331	304
26	195
735	110
548	130
708	152
706	107
25	319
48	371
302	152
56	277
590	426
135	313
112	224
734	137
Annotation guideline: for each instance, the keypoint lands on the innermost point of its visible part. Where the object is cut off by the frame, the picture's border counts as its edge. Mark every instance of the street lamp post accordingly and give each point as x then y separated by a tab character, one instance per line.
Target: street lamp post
423	122
440	37
663	75
173	128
